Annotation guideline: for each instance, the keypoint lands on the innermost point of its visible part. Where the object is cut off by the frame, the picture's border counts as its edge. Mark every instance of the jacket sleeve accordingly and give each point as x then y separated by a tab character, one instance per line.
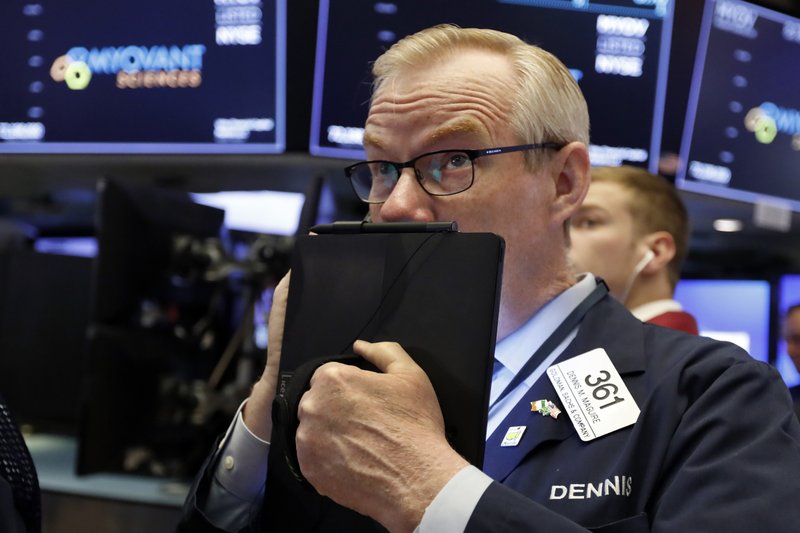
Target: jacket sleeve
734	461
193	519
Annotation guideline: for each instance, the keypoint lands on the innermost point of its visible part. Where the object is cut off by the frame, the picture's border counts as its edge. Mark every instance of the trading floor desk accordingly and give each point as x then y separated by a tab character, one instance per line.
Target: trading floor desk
108	503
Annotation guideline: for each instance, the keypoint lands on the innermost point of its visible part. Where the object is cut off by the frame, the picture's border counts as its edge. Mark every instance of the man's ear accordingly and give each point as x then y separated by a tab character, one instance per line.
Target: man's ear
572	176
662	244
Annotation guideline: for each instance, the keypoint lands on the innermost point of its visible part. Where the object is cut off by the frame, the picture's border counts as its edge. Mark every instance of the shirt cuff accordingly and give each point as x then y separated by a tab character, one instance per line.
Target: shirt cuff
242	464
452	508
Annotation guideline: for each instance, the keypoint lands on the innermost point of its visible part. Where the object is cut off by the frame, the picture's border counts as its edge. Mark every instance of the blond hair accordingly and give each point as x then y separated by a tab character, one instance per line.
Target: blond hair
655	206
548	105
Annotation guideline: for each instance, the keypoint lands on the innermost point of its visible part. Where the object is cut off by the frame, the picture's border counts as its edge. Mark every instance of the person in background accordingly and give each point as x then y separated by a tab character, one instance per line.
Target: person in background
632	231
478	127
791	334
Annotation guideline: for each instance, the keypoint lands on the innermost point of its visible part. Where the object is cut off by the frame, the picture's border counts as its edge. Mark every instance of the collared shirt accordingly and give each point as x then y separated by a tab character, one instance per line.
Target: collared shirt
515	350
235	491
655	308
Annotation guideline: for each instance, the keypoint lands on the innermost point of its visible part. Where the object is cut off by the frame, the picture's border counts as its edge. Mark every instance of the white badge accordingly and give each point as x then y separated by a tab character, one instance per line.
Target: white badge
593	394
513	436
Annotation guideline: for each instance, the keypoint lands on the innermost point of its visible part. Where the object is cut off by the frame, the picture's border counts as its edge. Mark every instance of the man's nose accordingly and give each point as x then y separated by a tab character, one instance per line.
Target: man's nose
408	201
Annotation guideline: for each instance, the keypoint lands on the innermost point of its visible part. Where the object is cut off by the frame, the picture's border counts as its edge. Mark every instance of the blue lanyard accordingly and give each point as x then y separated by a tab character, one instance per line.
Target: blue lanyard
555	338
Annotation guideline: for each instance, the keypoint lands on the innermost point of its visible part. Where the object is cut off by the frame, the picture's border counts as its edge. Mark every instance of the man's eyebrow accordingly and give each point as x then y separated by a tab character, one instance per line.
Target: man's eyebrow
371	140
465	125
460	126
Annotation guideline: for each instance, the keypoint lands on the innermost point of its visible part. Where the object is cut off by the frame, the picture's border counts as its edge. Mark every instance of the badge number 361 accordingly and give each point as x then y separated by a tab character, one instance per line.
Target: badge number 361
594	396
601	389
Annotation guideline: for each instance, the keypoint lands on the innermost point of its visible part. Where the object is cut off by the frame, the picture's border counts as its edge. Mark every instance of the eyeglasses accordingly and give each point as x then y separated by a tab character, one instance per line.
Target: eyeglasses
440	173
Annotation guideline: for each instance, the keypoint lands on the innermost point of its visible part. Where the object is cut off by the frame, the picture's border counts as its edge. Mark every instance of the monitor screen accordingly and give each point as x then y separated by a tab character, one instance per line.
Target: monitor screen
83	246
152	76
736	311
742	135
616	49
158	325
271	212
788	295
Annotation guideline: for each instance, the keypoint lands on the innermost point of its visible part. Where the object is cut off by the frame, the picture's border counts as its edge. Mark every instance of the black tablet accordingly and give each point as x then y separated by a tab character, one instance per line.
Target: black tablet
426	286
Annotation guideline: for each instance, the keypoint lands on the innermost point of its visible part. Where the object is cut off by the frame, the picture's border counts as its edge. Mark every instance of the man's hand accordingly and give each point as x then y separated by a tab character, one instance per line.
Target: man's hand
374	442
258	410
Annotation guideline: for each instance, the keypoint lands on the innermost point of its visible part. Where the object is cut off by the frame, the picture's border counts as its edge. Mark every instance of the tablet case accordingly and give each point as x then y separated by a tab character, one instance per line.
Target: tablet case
435	292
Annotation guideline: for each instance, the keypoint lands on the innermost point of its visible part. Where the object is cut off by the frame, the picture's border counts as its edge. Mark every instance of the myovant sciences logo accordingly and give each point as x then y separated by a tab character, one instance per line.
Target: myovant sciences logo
134	66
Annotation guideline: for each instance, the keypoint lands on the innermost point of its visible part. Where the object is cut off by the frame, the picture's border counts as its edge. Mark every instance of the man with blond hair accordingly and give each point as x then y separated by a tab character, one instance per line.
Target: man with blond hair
481	128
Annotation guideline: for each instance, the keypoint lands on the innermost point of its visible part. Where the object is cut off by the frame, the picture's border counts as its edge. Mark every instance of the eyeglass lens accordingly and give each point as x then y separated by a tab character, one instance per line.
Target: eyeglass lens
439	174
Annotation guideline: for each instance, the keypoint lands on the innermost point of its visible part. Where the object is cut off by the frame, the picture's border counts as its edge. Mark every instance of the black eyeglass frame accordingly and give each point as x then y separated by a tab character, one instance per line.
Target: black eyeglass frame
472	155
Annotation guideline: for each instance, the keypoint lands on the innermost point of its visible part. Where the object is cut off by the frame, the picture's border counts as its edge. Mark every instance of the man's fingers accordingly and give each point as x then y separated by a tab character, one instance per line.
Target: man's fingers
387	356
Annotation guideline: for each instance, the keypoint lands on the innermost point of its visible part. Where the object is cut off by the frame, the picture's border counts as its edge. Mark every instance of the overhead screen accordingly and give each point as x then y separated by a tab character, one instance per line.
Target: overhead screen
617	50
742	135
151	76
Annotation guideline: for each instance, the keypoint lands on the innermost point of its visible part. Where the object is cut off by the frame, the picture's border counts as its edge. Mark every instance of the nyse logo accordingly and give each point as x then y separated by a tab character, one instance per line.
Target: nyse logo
616	486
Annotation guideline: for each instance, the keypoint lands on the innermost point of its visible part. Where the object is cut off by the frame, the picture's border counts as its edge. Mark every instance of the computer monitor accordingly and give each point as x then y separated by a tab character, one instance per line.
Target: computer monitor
788	295
178	331
158	326
617	50
151	76
731	310
742	134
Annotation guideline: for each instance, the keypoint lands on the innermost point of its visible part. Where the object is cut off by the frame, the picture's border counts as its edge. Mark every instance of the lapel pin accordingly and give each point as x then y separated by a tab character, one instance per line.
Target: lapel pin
545	408
513	436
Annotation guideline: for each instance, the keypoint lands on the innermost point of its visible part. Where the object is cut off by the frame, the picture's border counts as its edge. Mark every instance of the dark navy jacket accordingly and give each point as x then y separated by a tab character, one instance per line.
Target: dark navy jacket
716	446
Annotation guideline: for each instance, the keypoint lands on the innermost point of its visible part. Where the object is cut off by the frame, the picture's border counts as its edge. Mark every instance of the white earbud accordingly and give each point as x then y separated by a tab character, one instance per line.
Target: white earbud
643	262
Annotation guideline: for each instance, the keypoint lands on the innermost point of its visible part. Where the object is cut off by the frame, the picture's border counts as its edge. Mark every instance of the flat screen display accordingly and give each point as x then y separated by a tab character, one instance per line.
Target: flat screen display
736	311
270	212
617	50
742	135
151	76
